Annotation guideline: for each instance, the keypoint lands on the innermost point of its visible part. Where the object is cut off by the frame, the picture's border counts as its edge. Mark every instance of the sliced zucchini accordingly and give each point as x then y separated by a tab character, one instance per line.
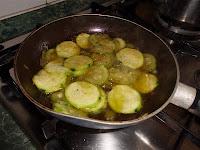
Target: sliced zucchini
49	82
100	106
149	63
97	37
67	49
119	44
135	74
97	74
61	105
103	59
130	57
146	83
85	52
58	97
48	56
78	64
123	75
83	40
101	43
82	94
56	67
57	61
118	76
65	108
124	99
130	45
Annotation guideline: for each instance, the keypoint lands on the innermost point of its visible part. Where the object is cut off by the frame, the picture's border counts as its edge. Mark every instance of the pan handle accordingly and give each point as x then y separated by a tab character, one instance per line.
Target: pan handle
188	98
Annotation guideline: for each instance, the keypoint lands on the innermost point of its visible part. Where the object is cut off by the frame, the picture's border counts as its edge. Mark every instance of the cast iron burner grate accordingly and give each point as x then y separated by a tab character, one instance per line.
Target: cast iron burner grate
62	131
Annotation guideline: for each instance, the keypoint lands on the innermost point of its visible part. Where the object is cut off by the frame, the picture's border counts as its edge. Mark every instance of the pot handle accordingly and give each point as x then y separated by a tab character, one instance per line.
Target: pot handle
188	98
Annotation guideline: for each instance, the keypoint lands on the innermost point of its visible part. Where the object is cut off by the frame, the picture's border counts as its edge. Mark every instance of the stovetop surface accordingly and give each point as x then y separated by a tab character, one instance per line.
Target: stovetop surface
173	128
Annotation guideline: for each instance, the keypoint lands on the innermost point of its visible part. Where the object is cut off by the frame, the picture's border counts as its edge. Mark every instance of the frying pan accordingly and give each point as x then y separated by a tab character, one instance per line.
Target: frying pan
27	64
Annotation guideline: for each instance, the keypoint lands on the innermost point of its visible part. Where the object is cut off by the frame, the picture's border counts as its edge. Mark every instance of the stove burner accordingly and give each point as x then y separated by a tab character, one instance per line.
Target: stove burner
176	31
185	48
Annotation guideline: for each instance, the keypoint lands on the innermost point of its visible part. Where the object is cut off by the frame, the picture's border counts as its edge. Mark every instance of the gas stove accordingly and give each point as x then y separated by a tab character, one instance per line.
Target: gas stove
173	128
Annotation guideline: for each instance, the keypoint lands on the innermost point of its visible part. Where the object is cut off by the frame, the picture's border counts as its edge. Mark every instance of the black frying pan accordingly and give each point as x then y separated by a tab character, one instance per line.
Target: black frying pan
27	63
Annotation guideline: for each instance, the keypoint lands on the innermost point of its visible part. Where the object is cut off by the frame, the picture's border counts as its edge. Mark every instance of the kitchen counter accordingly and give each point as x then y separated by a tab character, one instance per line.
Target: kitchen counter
11	136
24	23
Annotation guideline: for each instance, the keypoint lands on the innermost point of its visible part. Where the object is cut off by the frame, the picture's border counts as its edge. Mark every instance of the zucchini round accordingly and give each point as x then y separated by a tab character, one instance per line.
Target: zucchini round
49	82
119	43
47	56
82	94
57	97
130	45
100	106
67	49
83	40
101	43
130	57
103	59
124	99
149	63
146	83
120	76
56	67
65	108
78	64
97	74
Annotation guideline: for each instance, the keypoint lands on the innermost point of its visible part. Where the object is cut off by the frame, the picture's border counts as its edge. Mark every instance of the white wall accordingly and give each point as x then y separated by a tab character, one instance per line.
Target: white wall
9	8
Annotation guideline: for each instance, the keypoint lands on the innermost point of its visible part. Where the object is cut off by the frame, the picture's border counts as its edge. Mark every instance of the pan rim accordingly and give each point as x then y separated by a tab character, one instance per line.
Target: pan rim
102	122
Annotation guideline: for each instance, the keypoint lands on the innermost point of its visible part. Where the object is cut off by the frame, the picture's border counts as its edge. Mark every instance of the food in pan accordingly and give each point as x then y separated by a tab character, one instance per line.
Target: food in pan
67	49
97	74
78	64
124	99
94	74
130	57
149	64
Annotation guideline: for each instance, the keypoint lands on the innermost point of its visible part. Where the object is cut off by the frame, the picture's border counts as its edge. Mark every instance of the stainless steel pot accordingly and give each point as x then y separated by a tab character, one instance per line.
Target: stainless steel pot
182	11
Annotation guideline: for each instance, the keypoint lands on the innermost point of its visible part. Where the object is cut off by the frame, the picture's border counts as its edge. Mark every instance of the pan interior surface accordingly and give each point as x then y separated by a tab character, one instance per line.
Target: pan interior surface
27	60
